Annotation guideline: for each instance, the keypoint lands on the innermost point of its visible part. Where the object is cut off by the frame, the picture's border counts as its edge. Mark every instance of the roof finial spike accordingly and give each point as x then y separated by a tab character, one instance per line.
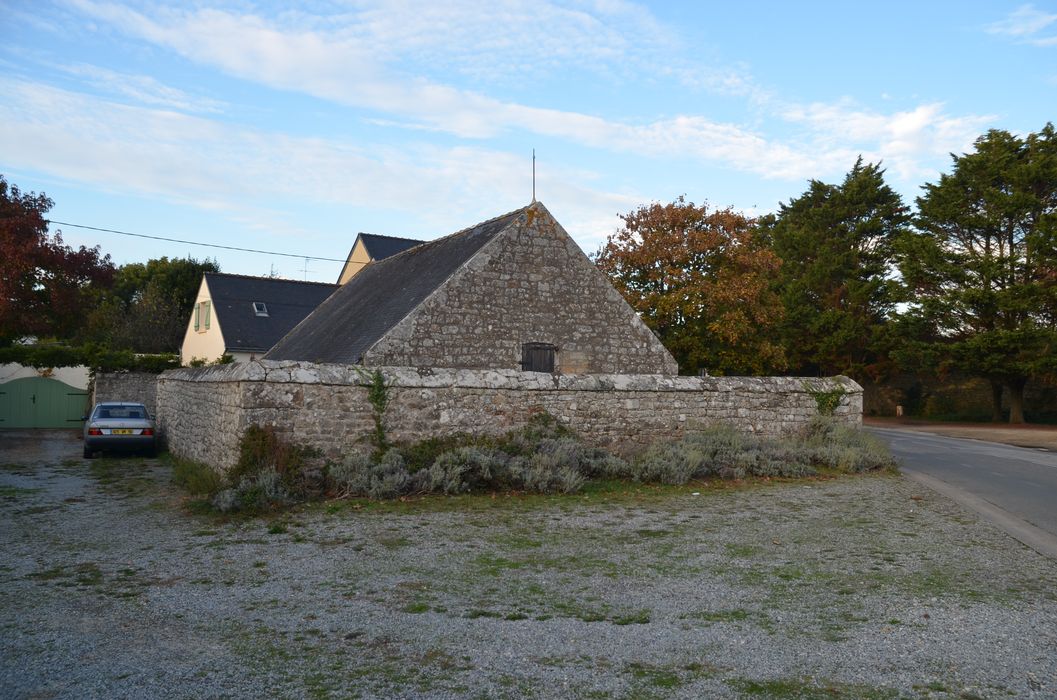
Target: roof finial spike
533	175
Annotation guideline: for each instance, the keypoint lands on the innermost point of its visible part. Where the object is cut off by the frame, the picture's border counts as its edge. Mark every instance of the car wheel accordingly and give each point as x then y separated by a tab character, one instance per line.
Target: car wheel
88	453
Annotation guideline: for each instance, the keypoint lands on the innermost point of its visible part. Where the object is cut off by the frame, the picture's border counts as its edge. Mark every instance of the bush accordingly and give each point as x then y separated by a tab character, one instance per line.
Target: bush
465	469
96	358
422	454
254	493
545	473
542	457
725	453
847	449
196	478
262	449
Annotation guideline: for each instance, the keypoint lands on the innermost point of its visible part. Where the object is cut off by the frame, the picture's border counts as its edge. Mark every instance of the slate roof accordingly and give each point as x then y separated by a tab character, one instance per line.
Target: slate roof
381	295
287	301
382	247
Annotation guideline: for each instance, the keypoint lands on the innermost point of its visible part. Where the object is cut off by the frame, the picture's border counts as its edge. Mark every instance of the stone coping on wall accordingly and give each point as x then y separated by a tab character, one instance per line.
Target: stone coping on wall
286	371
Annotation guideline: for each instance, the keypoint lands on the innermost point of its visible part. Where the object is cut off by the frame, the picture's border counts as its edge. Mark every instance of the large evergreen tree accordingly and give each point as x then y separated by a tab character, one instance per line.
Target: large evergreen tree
983	262
836	244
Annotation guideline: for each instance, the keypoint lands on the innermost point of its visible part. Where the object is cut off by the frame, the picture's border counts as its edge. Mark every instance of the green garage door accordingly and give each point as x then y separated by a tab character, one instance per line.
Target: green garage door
40	402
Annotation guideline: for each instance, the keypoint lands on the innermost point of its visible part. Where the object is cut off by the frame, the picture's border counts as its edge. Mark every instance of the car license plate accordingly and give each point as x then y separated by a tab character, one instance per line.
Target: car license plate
121	431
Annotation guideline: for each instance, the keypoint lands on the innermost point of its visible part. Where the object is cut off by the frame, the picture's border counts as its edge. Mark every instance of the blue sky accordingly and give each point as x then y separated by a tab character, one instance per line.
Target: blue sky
262	126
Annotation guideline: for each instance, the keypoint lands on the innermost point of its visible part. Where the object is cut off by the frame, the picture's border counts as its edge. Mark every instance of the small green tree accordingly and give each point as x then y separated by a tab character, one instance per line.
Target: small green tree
147	308
982	263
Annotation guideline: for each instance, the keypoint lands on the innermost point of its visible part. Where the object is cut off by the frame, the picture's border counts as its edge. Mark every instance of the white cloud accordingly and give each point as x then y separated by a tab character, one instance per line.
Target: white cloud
342	60
253	176
907	141
1028	25
142	88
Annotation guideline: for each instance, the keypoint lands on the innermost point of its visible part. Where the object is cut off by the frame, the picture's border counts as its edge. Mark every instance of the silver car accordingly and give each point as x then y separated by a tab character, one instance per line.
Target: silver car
119	426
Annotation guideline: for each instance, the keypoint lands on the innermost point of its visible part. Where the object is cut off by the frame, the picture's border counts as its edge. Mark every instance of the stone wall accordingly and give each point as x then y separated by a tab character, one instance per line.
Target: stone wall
531	284
135	387
202	412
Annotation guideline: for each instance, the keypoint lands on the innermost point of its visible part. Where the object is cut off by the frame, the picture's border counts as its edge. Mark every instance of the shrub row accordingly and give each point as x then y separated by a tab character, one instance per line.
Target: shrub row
543	457
97	358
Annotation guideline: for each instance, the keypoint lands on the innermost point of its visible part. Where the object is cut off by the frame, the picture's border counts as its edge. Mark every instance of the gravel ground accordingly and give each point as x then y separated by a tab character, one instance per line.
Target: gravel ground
867	587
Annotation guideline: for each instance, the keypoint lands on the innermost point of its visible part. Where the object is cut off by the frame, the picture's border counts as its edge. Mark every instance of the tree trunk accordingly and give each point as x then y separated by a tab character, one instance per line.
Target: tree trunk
1016	399
996	401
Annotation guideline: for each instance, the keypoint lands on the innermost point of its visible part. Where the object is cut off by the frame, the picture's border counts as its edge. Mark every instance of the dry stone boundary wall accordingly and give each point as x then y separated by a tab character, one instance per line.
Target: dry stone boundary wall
202	412
136	387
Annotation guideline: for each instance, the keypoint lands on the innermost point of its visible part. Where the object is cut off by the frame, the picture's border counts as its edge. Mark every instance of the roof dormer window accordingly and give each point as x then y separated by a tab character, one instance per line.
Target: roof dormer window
259	309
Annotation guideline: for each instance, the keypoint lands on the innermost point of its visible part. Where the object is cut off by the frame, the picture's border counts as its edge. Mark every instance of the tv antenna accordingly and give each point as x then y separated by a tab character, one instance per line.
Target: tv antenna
306	270
533	175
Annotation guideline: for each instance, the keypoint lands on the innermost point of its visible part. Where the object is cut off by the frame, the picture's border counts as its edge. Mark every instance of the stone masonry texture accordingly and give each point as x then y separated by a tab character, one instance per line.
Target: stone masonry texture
135	387
532	283
202	412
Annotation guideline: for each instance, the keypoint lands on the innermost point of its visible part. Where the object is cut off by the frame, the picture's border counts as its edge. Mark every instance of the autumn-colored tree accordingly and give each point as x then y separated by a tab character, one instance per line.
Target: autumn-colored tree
982	264
43	282
701	279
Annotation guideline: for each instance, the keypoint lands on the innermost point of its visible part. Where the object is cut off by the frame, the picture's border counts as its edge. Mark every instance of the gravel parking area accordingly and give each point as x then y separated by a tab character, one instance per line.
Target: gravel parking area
862	587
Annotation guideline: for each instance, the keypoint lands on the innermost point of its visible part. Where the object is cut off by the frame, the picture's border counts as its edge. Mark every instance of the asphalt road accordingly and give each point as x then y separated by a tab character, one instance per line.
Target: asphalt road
1016	487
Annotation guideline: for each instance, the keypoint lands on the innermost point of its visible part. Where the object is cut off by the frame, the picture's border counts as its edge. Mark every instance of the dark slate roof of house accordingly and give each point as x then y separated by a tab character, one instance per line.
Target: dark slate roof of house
382	247
287	302
381	295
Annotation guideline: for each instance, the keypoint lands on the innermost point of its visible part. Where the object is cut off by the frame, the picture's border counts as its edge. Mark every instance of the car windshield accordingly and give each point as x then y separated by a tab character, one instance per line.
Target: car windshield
104	412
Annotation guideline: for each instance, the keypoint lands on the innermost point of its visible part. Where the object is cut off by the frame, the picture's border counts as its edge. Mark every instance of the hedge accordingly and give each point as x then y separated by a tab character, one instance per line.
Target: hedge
96	358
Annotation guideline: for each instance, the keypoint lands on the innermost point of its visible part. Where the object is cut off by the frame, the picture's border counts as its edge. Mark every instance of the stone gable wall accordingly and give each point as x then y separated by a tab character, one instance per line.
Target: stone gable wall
531	284
136	387
203	412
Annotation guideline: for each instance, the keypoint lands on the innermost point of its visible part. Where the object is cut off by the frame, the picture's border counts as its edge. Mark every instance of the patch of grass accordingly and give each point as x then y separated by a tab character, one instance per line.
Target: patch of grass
742	550
737	615
417	607
657	676
477	612
195	478
808	689
15	492
638	617
493	565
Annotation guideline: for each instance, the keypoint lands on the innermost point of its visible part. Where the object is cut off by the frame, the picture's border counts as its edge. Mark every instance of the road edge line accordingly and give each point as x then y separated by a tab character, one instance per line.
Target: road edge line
1027	534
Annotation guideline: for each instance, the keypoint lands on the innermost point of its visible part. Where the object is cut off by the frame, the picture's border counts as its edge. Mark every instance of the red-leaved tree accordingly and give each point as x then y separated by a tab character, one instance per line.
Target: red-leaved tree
43	282
702	280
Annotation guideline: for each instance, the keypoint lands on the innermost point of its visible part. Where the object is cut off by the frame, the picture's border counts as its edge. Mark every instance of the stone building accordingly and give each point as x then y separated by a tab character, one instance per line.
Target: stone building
513	292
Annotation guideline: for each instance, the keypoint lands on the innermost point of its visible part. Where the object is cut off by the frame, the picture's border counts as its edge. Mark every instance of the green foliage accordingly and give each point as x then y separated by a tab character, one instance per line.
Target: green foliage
270	467
827	402
722	452
422	454
837	245
378	396
196	478
96	358
147	307
545	457
981	264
